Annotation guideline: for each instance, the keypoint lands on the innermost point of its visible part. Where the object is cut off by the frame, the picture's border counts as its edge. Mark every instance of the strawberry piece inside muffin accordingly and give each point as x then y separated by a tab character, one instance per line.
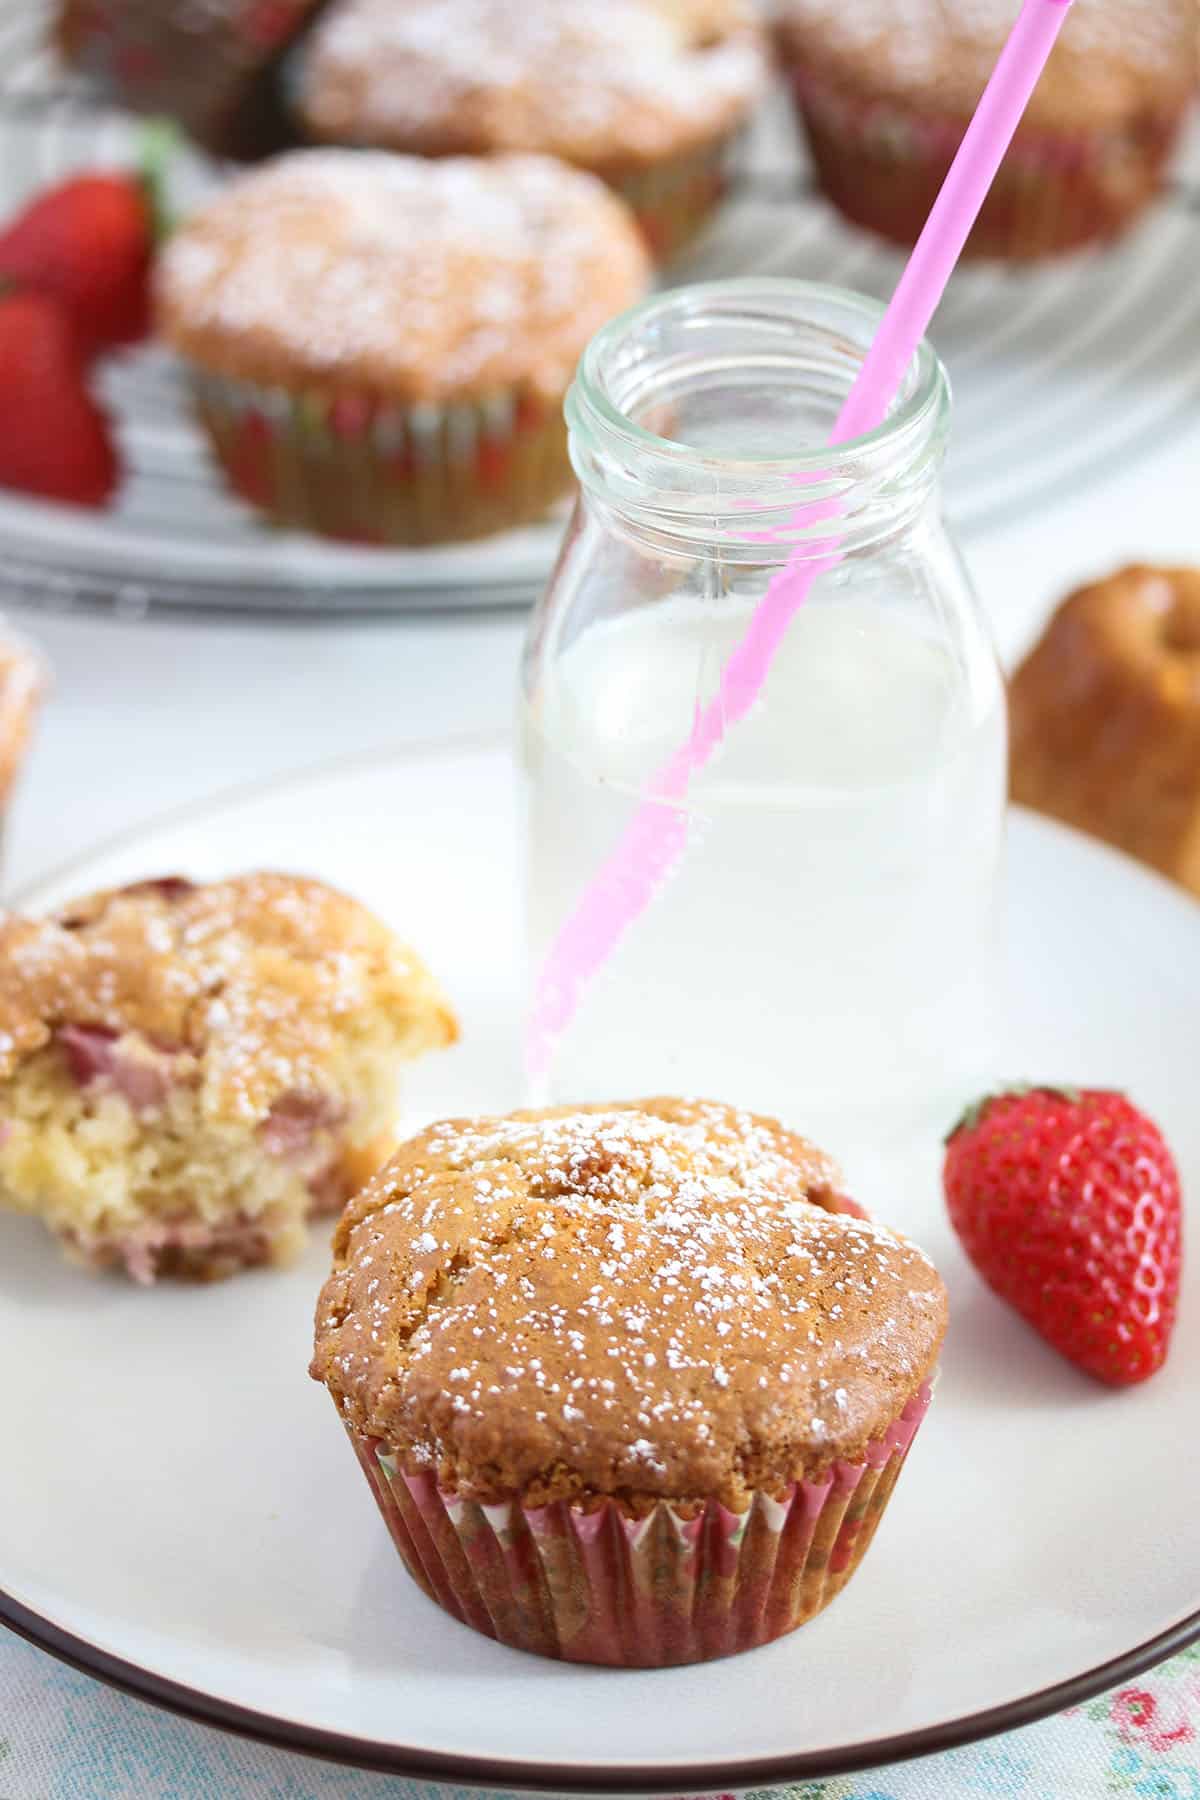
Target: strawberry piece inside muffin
187	1073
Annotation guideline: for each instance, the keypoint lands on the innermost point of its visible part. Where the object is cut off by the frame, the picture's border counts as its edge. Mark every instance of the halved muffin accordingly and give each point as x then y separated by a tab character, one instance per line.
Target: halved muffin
187	1072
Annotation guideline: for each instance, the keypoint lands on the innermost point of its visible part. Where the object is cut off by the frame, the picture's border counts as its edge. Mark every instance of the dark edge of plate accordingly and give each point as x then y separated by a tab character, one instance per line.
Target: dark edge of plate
565	1778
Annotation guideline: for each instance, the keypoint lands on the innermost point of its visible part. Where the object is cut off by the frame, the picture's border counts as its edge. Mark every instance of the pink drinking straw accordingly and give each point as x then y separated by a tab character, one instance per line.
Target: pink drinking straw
657	834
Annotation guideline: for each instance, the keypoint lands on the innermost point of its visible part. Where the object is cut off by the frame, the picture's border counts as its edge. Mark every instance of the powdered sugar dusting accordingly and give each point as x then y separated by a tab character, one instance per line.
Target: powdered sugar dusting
423	279
919	33
1108	48
594	81
252	985
692	1254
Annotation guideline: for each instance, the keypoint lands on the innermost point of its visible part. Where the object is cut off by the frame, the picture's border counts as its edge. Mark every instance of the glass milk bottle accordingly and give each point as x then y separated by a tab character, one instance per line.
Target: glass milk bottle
822	951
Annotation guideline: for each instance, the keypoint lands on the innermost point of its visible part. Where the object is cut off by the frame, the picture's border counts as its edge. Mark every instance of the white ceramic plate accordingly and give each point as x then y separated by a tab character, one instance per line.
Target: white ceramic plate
181	1515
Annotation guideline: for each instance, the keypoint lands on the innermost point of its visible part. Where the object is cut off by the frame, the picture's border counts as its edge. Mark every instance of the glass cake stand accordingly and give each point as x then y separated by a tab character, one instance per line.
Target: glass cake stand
1059	373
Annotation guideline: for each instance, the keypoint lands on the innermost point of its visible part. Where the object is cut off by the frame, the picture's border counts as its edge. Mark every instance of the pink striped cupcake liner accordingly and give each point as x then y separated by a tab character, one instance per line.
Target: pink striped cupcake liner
882	164
354	466
676	1586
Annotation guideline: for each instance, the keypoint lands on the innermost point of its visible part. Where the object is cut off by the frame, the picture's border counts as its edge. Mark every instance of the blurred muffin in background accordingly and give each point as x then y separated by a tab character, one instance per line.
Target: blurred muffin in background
205	63
1105	715
647	94
188	1073
885	90
380	345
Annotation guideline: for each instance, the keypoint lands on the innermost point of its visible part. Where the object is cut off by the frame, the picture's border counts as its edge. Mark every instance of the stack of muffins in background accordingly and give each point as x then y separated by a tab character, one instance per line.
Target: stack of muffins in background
517	173
381	342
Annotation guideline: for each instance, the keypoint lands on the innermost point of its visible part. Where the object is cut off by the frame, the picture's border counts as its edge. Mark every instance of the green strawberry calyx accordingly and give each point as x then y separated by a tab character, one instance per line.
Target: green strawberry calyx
158	144
973	1114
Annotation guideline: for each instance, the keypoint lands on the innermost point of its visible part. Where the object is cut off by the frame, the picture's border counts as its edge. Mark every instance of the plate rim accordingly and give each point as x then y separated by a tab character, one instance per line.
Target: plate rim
566	1778
348	1749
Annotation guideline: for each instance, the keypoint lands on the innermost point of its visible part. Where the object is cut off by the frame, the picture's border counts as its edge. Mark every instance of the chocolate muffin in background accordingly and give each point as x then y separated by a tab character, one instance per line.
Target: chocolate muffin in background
208	64
631	1384
647	94
379	346
885	90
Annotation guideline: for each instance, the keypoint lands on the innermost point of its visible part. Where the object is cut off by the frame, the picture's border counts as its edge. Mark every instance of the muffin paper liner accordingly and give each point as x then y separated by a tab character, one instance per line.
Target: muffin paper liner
351	466
675	199
883	164
676	1586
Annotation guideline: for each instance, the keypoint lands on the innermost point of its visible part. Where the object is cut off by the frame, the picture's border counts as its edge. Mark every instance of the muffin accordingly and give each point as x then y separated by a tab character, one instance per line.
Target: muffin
647	94
188	1073
379	345
885	95
631	1384
206	63
1105	715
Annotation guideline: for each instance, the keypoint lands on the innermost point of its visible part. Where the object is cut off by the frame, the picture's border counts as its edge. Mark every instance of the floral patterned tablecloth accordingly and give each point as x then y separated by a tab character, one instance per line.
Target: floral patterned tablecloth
65	1737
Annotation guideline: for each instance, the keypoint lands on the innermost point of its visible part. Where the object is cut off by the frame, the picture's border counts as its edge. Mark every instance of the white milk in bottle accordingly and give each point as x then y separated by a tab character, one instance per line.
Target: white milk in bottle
823	949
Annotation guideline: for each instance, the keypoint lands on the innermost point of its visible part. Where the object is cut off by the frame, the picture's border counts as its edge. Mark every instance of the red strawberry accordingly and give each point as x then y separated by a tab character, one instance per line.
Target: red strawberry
54	439
1068	1204
89	242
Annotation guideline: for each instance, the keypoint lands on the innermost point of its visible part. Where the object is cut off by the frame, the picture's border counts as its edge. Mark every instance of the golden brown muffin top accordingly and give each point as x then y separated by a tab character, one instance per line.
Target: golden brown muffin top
1105	716
1116	60
612	85
417	280
256	978
651	1299
1139	628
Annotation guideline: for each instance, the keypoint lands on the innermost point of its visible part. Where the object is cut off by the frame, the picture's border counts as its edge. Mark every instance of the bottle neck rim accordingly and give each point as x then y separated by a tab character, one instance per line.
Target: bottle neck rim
795	337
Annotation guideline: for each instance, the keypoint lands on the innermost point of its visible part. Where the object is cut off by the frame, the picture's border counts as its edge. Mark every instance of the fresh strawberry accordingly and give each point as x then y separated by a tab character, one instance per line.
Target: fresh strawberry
1068	1204
54	439
89	243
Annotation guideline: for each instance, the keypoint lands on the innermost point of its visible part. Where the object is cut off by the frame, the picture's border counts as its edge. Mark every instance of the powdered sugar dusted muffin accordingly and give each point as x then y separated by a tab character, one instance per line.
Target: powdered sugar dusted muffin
886	88
645	93
631	1384
202	62
187	1073
380	345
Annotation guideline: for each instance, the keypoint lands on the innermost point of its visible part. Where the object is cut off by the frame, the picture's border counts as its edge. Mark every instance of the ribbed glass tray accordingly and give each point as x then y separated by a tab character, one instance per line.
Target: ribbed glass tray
1059	374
